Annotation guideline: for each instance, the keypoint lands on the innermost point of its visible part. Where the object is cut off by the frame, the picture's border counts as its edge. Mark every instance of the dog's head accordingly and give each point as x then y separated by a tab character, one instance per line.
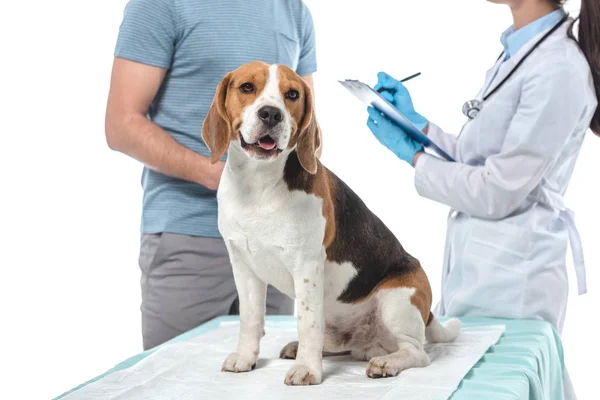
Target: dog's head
266	110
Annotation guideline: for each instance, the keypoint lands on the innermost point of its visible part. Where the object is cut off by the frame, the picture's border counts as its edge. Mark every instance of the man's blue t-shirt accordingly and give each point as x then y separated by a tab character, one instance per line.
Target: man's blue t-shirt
199	42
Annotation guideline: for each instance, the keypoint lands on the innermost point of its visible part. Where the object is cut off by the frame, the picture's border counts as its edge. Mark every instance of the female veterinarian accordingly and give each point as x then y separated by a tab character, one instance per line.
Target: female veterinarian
508	229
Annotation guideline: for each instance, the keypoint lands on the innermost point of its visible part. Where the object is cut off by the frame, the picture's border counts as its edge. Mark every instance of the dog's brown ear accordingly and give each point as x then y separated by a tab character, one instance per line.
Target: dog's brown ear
216	129
309	134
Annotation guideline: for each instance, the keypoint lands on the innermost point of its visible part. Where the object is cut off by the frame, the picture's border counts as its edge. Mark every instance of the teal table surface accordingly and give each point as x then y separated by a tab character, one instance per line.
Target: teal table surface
526	363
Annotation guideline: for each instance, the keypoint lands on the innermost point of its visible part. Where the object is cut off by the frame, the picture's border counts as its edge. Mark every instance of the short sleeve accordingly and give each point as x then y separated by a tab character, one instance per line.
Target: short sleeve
307	64
147	33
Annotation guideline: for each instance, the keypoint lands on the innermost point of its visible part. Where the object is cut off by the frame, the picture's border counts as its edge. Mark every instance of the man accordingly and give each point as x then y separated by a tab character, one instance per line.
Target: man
170	57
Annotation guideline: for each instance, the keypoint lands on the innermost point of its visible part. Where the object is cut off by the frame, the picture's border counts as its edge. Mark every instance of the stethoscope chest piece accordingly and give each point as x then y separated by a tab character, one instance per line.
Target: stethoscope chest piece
471	108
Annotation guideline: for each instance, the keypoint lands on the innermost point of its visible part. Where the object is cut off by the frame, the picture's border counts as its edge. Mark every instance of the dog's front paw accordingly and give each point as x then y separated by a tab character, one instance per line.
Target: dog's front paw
239	363
300	375
289	351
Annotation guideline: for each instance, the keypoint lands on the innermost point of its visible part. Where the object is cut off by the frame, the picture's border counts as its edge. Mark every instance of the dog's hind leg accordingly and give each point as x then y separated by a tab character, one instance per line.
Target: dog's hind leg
290	350
370	352
405	324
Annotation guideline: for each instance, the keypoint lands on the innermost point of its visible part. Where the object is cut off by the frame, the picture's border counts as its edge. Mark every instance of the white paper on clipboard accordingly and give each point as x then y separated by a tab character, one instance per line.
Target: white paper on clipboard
371	98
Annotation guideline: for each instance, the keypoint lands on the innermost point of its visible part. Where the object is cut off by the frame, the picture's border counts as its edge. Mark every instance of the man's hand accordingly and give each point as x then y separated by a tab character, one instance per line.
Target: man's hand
212	175
128	130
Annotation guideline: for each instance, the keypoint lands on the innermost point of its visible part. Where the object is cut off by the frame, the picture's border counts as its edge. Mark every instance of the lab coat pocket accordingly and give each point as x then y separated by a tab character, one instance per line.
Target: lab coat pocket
494	262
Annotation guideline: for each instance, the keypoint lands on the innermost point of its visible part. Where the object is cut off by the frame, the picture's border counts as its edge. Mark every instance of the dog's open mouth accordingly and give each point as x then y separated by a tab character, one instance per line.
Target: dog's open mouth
264	145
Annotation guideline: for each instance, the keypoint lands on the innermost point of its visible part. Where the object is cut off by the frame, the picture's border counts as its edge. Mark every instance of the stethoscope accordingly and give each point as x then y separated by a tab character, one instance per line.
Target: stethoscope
472	107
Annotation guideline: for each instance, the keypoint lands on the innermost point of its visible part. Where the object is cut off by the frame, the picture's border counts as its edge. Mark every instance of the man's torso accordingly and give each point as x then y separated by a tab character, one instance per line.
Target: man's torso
211	39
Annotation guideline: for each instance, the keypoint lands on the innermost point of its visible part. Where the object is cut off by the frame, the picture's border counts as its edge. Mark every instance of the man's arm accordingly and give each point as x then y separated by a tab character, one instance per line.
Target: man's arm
309	79
128	130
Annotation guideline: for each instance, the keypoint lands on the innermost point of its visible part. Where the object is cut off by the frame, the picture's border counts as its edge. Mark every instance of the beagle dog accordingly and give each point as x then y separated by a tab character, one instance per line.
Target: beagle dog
289	222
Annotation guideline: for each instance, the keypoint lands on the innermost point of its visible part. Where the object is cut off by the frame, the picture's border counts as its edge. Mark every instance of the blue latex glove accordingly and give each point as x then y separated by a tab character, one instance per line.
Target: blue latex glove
392	136
397	94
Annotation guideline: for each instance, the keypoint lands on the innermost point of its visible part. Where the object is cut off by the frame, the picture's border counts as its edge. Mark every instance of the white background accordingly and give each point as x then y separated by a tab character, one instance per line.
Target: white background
70	208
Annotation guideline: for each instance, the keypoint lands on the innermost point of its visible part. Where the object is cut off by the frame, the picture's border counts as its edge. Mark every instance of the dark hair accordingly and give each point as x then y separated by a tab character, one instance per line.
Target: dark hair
589	42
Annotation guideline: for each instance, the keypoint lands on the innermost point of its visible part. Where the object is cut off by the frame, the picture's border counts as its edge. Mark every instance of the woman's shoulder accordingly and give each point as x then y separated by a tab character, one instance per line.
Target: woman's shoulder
562	54
562	60
560	68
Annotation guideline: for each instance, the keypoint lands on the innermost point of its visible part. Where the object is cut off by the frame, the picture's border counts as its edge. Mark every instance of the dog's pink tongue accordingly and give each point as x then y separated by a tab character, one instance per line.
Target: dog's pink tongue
266	144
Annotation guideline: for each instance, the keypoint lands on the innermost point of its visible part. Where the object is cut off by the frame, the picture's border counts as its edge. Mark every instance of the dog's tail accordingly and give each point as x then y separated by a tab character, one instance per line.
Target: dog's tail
435	332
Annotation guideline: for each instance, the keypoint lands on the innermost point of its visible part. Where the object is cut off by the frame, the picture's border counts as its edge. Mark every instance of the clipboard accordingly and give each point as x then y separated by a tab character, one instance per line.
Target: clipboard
371	98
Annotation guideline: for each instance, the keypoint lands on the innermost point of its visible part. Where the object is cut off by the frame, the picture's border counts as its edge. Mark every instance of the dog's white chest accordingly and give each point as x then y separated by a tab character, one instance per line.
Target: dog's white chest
271	227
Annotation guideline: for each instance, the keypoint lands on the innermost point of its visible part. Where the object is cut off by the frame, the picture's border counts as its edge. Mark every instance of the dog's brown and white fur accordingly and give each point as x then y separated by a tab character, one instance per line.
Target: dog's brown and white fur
289	222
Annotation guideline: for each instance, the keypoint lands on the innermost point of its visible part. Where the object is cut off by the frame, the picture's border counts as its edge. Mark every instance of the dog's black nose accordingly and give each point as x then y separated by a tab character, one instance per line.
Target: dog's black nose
270	116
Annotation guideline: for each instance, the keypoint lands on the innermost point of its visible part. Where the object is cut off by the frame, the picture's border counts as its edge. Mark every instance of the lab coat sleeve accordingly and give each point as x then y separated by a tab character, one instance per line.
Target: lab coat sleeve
446	141
550	107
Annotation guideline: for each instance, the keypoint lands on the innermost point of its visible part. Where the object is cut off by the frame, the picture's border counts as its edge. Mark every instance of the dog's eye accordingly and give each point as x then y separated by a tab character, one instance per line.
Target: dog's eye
292	94
247	88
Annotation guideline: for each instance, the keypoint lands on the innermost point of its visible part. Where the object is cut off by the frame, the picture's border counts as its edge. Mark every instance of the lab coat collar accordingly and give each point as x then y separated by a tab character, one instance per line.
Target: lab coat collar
505	65
513	40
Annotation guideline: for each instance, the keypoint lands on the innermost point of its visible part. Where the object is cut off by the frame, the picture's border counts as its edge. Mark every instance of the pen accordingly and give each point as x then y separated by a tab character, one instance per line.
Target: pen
403	80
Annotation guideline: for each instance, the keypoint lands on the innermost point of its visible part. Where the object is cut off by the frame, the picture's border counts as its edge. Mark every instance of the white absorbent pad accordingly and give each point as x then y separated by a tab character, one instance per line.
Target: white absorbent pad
191	370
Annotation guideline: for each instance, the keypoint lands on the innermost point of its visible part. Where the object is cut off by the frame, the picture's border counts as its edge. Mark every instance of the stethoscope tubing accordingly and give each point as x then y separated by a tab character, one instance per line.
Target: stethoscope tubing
472	107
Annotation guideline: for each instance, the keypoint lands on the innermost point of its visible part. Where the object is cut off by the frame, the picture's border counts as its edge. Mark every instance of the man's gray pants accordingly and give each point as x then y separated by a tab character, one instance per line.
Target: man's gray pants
186	281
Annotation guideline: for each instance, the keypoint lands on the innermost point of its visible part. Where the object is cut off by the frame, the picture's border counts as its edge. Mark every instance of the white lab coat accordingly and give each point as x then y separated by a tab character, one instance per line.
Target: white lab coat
508	229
